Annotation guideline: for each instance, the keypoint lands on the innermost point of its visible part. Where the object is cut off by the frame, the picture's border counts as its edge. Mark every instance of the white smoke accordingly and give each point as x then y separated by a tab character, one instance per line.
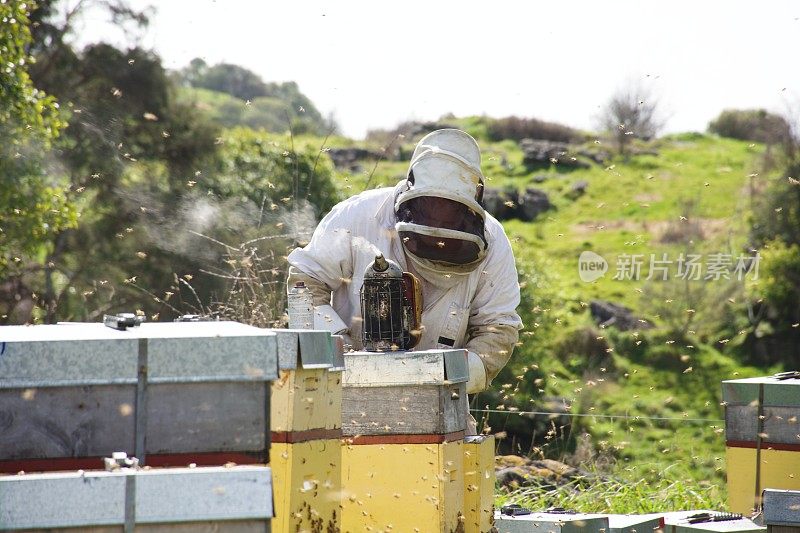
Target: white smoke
203	228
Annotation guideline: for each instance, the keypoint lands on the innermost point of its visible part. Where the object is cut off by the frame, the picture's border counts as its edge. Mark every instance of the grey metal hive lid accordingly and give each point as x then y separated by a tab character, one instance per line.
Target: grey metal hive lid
550	523
632	523
781	507
90	353
167	496
308	348
677	522
425	367
777	392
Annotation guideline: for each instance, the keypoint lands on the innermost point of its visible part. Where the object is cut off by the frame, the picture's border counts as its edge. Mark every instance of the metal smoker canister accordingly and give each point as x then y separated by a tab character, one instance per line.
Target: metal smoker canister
301	307
390	307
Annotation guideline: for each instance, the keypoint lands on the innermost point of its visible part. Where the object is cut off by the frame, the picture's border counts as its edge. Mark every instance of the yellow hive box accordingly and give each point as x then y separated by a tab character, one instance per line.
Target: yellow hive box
414	488
479	481
305	399
305	423
780	469
307	481
308	392
762	421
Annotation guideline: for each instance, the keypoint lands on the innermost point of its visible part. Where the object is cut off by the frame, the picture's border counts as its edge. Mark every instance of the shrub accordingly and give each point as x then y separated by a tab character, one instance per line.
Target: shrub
518	128
756	125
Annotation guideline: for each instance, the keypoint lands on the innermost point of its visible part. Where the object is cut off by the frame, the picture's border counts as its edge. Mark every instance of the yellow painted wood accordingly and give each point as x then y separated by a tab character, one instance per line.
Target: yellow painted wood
780	469
306	478
304	399
413	488
334	397
479	481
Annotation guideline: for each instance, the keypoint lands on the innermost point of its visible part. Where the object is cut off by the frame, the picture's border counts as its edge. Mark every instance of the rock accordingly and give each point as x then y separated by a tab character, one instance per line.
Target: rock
540	152
607	313
600	157
504	204
349	158
501	204
512	477
532	203
513	471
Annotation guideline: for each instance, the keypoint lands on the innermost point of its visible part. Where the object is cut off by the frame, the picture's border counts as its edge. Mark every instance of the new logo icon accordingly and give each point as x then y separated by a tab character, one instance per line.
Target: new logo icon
591	266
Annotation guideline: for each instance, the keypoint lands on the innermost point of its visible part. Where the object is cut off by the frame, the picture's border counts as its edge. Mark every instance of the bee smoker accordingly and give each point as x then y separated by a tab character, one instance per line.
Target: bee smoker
391	307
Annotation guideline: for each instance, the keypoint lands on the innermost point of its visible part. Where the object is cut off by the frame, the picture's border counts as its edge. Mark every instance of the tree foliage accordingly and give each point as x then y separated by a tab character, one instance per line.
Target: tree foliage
752	125
33	203
157	183
275	107
24	109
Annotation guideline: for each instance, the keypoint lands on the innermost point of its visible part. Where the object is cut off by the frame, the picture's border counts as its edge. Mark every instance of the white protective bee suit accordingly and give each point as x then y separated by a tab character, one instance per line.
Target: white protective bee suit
469	281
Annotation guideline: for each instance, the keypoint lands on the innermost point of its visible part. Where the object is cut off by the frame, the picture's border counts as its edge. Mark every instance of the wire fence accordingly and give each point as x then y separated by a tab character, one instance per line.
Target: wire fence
555	414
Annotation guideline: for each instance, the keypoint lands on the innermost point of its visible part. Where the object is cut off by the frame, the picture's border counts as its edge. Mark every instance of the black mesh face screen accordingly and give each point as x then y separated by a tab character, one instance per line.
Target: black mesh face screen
441	213
454	251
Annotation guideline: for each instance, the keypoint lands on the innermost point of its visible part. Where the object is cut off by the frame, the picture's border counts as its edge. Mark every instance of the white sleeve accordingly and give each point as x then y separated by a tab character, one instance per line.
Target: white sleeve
497	296
494	324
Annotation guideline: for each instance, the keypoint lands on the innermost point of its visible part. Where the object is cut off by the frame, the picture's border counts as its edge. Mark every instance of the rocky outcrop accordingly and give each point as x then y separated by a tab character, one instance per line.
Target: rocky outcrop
350	158
532	203
607	314
505	204
544	153
514	471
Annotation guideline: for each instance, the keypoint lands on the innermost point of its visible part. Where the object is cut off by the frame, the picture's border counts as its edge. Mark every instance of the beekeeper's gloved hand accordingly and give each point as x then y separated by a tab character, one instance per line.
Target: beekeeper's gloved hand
477	373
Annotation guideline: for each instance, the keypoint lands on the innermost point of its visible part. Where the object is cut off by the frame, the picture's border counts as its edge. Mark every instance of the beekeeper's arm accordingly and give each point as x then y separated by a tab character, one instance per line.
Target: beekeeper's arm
323	265
494	324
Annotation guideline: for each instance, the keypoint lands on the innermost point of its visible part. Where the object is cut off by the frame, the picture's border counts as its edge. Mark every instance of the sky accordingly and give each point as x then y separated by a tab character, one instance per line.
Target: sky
375	64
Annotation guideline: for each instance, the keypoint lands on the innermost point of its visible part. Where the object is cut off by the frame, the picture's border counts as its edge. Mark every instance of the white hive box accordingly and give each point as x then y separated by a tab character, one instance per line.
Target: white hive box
167	393
195	499
405	393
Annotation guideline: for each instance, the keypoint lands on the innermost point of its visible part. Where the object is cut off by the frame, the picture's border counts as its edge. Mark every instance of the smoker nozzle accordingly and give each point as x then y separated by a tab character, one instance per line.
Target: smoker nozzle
380	264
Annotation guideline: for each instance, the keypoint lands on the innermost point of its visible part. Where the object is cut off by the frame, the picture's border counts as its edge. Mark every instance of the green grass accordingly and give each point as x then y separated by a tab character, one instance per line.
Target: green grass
618	496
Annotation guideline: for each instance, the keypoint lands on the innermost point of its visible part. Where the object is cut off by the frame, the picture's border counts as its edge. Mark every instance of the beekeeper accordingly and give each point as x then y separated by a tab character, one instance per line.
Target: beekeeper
433	225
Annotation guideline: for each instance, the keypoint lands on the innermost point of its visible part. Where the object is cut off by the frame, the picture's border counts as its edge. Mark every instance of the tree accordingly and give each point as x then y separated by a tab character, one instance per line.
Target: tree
775	231
122	114
631	113
33	202
275	107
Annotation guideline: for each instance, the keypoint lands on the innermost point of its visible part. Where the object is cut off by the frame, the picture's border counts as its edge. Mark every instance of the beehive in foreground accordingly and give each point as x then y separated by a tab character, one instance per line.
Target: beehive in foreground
762	424
306	414
168	393
236	499
403	419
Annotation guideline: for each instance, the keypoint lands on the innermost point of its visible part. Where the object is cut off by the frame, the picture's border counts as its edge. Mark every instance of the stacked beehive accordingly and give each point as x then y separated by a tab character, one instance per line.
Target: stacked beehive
306	432
762	424
403	419
172	394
